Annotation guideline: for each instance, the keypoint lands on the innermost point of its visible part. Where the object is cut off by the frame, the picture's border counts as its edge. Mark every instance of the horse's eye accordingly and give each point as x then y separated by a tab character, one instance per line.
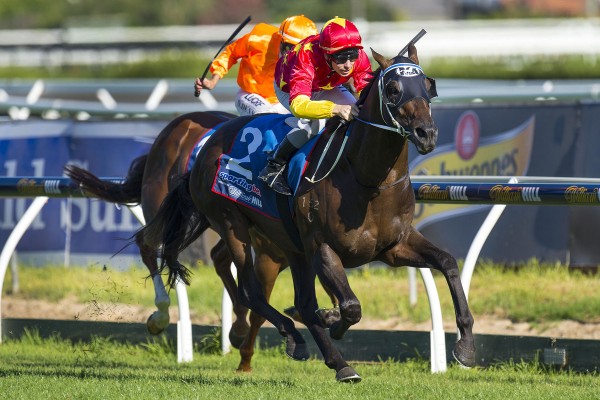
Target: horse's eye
393	92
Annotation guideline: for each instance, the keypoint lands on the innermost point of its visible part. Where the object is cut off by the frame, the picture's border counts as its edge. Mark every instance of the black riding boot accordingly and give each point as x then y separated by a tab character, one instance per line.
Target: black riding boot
273	172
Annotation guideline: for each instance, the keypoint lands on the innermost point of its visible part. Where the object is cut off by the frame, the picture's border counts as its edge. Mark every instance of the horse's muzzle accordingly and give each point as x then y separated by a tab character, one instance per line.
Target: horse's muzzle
425	138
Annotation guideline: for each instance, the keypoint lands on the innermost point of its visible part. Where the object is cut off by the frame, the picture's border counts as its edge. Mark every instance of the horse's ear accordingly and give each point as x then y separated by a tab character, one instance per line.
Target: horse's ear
412	53
381	60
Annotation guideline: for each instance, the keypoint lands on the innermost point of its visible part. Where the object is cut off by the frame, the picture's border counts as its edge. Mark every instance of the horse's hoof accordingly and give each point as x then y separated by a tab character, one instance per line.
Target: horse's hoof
464	356
329	316
297	351
293	313
337	330
243	369
156	324
347	375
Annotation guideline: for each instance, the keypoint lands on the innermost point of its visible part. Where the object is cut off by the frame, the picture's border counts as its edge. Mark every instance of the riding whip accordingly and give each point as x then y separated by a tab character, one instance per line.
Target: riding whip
414	40
233	35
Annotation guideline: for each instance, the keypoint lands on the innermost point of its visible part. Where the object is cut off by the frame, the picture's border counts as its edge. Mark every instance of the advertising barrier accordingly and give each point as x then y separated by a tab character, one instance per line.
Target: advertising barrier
549	139
91	230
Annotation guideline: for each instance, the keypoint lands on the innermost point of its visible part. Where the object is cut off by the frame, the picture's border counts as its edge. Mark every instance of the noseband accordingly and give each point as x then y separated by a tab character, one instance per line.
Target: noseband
412	78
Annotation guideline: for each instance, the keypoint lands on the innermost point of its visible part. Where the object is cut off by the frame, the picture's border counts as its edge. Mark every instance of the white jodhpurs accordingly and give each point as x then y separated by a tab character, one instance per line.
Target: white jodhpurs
252	103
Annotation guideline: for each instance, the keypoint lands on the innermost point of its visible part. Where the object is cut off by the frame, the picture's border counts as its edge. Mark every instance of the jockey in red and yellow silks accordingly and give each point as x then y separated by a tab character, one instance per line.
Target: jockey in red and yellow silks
258	52
305	70
308	80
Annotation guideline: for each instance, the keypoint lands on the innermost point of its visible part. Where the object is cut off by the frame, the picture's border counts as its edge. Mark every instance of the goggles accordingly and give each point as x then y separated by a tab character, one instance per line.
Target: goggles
345	55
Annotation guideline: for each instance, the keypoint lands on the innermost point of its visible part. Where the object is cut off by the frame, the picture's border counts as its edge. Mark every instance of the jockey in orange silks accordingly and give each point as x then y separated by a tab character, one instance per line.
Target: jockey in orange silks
258	51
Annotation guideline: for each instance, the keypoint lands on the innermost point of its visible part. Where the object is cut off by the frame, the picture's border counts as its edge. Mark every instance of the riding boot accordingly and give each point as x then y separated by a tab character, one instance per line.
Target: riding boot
273	172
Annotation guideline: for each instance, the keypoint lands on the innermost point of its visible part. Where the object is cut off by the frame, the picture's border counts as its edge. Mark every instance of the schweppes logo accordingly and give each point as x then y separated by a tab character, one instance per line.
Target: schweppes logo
504	154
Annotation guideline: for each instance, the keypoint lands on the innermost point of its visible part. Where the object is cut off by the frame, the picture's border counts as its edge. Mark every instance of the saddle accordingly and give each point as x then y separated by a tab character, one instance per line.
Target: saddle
237	175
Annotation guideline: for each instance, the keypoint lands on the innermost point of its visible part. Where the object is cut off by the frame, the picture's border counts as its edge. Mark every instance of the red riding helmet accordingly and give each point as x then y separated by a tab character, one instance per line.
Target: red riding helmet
339	34
296	28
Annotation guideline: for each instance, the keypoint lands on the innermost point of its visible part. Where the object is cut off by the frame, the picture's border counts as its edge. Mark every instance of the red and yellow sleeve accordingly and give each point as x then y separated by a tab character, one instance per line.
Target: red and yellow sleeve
303	107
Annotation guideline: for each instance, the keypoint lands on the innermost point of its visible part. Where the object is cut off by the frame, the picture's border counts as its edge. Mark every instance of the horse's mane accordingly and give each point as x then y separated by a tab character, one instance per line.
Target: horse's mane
365	92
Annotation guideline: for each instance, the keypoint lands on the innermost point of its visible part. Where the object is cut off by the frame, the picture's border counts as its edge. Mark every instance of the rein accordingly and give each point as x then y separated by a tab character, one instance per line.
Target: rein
403	69
342	123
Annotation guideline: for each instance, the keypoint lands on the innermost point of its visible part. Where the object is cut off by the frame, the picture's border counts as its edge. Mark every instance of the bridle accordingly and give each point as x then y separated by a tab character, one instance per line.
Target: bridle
413	78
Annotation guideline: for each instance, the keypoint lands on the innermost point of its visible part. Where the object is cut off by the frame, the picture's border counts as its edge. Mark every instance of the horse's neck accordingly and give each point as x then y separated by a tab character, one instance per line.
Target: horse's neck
379	158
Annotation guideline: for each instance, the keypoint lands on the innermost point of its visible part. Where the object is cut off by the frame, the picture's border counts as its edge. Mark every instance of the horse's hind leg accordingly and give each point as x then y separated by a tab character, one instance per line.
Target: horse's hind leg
152	193
419	252
159	319
222	262
237	238
267	267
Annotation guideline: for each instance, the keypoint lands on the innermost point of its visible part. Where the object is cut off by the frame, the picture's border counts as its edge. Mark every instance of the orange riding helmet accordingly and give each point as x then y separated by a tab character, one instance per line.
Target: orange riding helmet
339	34
294	29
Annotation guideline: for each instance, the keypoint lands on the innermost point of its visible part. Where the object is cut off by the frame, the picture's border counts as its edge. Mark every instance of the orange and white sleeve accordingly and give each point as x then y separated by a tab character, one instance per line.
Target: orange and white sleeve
229	57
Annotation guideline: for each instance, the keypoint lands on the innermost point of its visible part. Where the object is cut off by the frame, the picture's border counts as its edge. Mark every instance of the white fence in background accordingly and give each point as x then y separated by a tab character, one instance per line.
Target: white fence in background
464	38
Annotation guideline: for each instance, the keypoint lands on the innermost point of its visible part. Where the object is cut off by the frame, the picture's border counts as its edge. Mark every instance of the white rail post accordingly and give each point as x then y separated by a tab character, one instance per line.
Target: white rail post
185	348
412	286
227	315
478	242
437	334
157	95
13	239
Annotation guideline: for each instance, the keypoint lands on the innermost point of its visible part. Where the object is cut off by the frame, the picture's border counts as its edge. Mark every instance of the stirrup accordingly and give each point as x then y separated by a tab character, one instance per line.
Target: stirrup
273	176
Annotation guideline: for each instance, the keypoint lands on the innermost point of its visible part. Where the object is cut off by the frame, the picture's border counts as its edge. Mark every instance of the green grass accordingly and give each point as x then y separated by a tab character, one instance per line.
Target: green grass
535	293
35	368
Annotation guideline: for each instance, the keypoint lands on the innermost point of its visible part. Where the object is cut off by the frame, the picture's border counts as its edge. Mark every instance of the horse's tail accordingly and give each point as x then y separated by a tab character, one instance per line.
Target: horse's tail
128	192
174	227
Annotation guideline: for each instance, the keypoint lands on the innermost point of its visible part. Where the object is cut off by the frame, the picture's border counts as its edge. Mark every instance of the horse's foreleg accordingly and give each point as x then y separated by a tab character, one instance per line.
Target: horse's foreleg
222	262
419	252
306	303
331	273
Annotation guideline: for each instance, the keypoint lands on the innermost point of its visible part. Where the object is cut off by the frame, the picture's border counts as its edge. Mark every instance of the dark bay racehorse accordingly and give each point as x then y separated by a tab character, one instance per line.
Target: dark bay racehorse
360	211
147	183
